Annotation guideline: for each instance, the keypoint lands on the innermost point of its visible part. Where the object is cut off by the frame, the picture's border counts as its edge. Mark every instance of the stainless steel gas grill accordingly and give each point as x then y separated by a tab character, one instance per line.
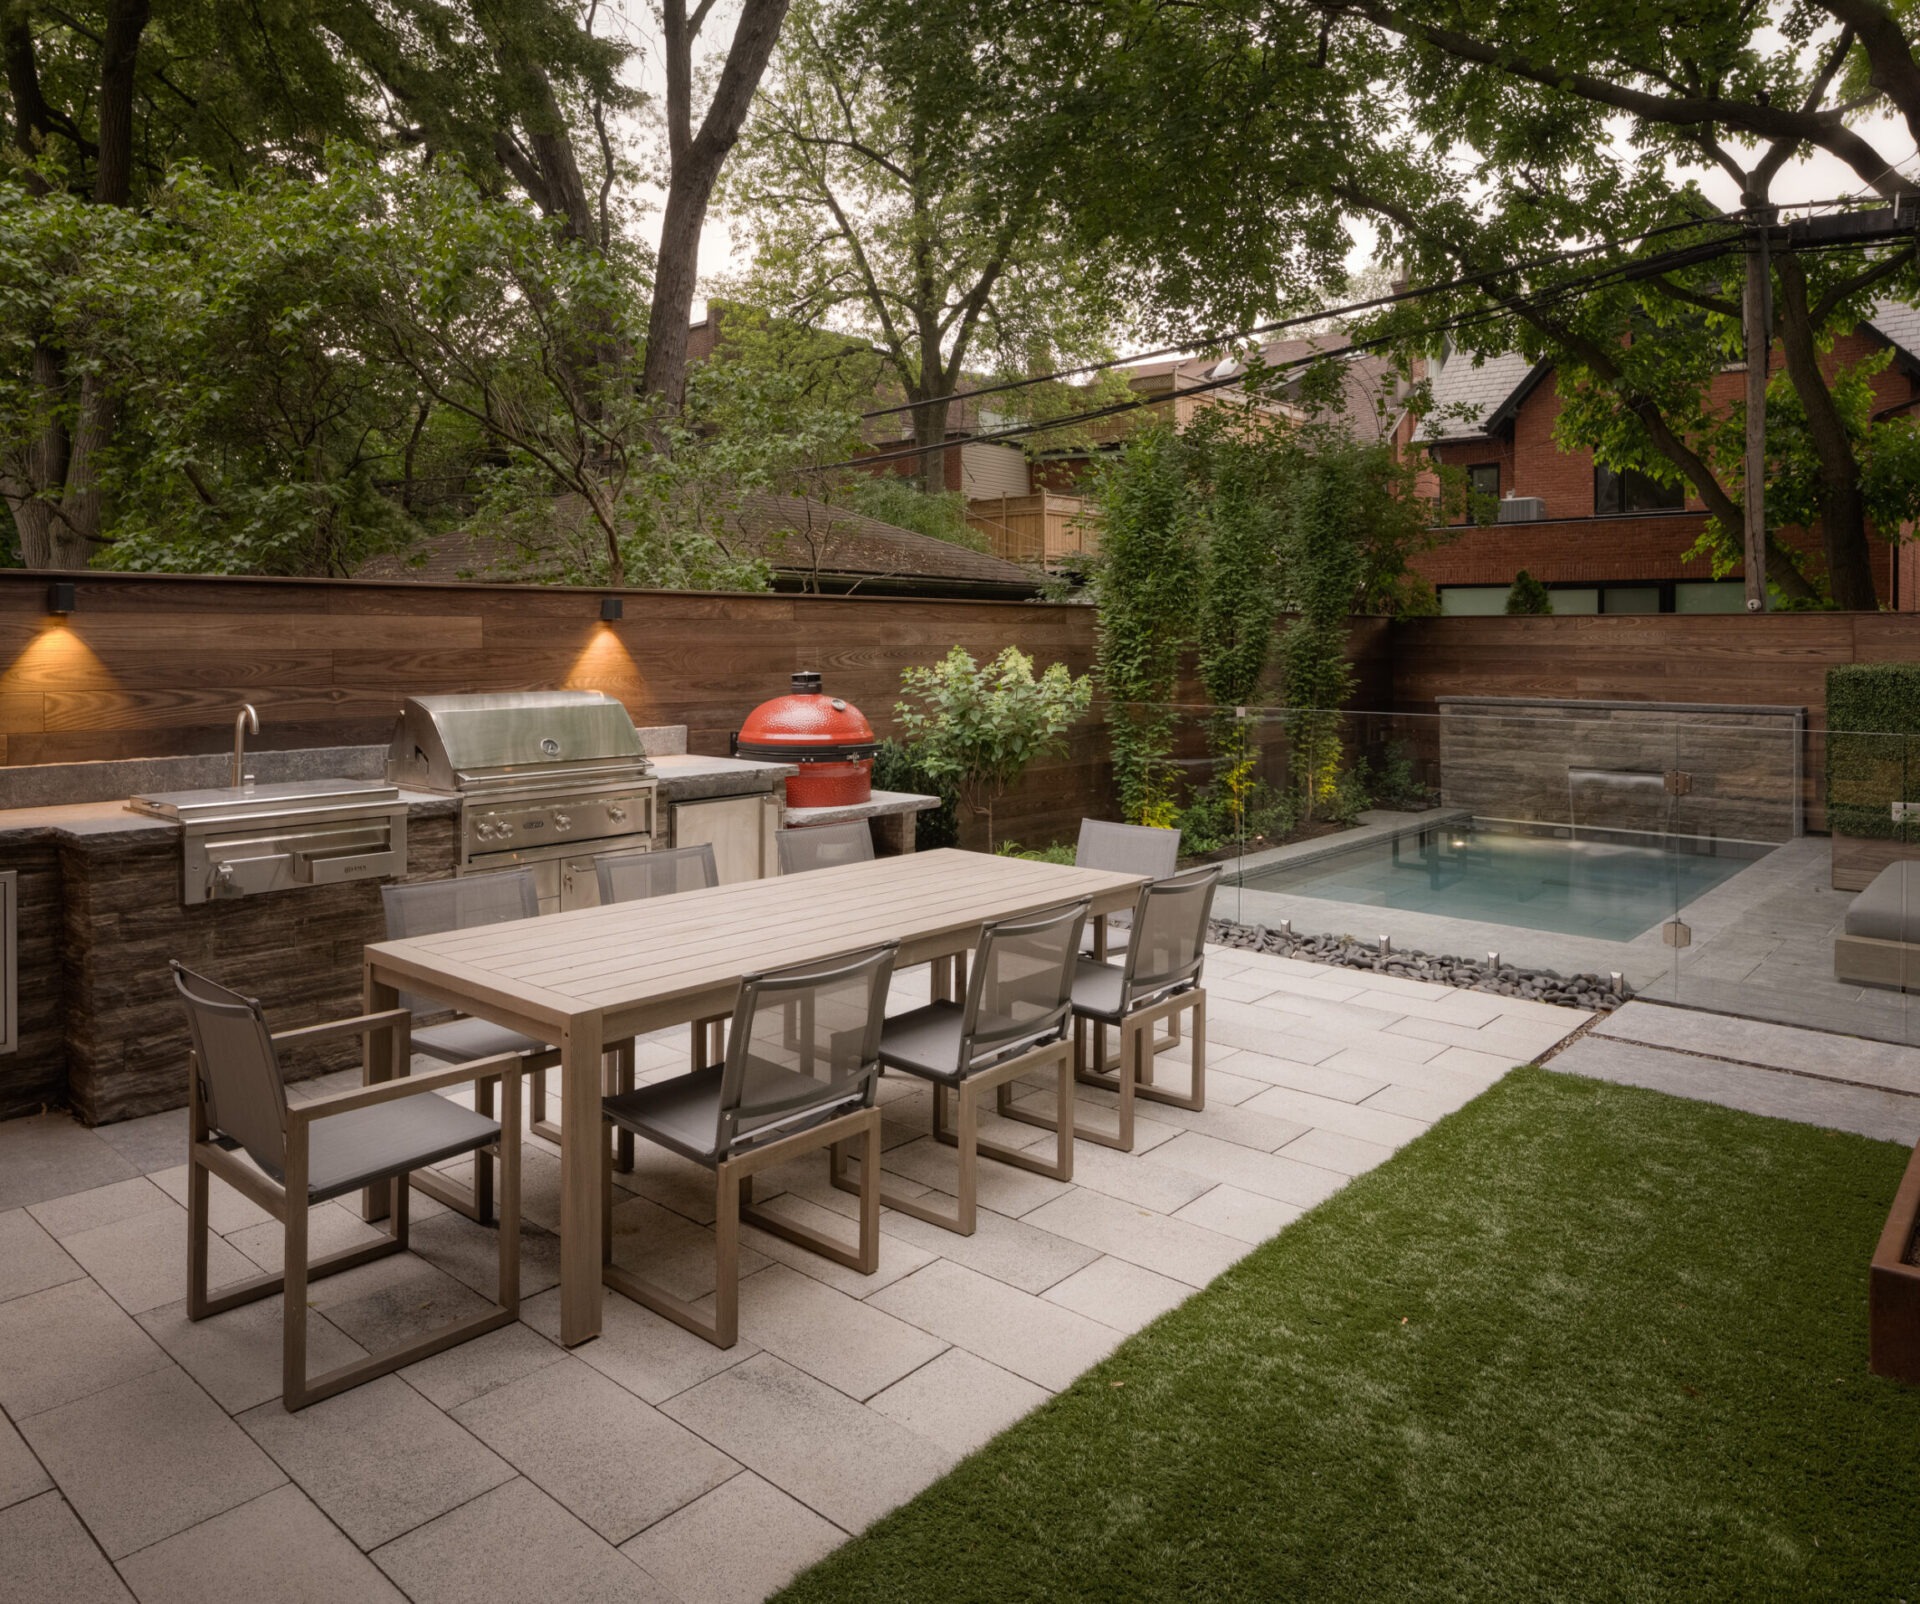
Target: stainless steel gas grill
547	780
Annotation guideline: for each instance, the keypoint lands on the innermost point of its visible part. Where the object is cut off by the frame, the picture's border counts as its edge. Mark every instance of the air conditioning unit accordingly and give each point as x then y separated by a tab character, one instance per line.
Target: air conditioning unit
1521	510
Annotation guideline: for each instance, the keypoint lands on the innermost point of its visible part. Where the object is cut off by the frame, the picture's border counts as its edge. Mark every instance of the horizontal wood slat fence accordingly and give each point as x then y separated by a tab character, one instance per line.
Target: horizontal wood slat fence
156	664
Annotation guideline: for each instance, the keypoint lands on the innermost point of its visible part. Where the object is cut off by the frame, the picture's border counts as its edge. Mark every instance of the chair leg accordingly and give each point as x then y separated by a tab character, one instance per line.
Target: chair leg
623	1063
726	1257
1195	1097
483	1105
197	1227
964	1216
509	1289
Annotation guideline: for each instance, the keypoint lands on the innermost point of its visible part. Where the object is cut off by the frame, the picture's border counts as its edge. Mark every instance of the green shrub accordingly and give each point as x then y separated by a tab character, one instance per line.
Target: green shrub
1059	852
1873	748
898	767
1528	597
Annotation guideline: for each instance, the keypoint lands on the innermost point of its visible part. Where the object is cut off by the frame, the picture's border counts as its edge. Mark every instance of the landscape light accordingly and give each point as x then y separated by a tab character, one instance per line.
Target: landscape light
612	608
60	597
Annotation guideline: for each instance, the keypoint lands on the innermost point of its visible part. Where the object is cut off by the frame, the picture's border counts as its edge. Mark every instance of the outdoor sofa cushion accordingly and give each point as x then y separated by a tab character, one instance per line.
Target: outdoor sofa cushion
1889	909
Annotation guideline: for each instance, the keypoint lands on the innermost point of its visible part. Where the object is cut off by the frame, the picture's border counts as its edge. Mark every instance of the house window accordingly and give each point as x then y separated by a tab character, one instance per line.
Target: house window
1483	479
1633	491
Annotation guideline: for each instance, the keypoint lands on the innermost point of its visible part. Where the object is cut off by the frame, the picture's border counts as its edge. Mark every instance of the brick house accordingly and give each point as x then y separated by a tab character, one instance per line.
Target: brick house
1603	542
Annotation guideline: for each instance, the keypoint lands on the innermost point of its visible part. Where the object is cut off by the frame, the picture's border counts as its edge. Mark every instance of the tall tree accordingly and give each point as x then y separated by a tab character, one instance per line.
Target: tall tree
694	160
870	209
105	97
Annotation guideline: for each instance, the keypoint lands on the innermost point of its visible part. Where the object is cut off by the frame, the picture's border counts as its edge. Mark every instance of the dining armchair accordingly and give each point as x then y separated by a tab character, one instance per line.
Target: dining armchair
1013	1022
824	846
325	1147
428	908
798	1076
1157	979
1125	849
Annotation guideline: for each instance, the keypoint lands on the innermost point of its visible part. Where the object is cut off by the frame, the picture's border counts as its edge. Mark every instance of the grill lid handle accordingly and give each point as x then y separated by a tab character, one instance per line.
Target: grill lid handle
806	683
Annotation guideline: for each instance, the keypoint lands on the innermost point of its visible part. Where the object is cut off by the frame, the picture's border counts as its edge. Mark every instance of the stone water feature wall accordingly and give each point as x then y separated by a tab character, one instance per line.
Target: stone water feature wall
1601	766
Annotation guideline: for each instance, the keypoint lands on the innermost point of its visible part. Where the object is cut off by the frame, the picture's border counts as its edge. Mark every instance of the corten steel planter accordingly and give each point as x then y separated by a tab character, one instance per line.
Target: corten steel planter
1893	1287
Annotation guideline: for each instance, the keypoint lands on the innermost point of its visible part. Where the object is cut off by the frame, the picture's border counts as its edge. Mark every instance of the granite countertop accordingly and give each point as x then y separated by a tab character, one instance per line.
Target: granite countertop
109	821
879	804
687	777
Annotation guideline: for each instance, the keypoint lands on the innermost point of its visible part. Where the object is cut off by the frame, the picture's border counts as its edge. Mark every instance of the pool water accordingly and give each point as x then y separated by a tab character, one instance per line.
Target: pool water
1575	888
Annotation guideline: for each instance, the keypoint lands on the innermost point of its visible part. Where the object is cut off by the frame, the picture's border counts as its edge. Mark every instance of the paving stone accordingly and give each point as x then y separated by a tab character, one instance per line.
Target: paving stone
959	1400
1337	1151
1244	1216
81	1211
1170	1247
331	1227
839	1458
1758	1041
1307	1077
1013	1251
1003	1188
1119	1294
1134	1177
470	1253
50	1155
1463	1082
236	1356
1273	1175
393	1301
1042	1341
227	1210
148	1458
739	1544
835	1338
617	1463
50	1559
153	1142
463	1373
141	1261
897	1258
651	1357
660	1246
1864	1110
21	1475
277	1547
379	1460
30	1259
1370	1124
1524	1039
66	1342
510	1546
1417	1102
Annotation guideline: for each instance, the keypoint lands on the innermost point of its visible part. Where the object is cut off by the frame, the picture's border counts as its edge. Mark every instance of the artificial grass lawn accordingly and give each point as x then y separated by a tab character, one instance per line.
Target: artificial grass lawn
1579	1341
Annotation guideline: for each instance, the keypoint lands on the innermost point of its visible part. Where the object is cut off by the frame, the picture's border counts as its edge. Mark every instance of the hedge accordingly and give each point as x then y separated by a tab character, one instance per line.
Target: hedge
1873	748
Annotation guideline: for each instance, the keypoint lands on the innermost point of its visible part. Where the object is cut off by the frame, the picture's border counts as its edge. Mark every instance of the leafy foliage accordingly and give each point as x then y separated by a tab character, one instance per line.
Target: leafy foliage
898	767
979	726
1323	557
1873	748
1528	597
902	502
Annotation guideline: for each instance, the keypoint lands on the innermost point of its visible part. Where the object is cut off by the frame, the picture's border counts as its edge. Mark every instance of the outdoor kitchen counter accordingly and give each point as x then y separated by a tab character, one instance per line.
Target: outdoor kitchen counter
106	824
690	777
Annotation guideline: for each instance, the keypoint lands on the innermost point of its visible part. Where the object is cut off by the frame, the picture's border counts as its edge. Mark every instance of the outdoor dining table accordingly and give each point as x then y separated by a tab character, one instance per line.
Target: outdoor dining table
590	978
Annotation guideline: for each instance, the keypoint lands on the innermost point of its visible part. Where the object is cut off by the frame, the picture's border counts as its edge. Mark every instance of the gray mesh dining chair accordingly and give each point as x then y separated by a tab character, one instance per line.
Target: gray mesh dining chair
824	846
629	876
637	876
430	908
1125	849
1157	979
1014	1022
325	1147
798	1076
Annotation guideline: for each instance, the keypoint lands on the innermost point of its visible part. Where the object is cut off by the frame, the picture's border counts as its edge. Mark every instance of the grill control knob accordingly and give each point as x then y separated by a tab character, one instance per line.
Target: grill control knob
562	822
616	815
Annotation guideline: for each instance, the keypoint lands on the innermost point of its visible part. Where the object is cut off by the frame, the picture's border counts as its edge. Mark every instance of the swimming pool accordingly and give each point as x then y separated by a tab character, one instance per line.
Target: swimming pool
1601	889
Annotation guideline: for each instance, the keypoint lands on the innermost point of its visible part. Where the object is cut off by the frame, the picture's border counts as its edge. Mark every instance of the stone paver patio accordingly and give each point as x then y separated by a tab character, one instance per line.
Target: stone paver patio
145	1456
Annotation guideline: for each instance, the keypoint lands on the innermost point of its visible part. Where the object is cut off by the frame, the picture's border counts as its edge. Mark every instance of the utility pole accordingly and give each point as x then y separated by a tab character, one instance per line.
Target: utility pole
1758	329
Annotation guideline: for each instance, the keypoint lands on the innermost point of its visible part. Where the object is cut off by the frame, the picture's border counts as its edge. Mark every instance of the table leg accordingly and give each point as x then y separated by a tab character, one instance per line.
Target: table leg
580	1159
376	1201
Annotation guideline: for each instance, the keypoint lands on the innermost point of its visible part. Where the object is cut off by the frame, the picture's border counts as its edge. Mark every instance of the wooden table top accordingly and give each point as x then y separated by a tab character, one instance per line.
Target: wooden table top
593	960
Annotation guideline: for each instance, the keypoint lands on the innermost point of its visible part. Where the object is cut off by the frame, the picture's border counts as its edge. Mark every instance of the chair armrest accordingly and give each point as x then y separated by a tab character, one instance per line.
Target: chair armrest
505	1067
333	1029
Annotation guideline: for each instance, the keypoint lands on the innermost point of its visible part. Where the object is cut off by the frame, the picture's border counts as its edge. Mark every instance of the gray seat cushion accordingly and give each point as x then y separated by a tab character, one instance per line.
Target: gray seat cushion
683	1113
347	1151
1097	989
1889	909
925	1041
461	1041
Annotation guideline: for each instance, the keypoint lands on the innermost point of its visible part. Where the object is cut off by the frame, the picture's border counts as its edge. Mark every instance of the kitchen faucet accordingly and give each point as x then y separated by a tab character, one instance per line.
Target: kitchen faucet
244	720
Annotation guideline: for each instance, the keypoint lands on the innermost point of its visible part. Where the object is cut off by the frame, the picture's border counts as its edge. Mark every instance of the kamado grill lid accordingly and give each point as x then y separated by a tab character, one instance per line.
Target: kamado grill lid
806	726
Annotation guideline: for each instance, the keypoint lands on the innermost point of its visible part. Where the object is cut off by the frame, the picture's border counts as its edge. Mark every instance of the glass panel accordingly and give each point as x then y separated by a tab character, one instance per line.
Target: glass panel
1710	596
1472	601
1630	599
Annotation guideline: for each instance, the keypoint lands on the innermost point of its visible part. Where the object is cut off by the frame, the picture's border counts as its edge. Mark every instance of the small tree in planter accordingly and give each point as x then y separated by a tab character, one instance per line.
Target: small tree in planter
980	726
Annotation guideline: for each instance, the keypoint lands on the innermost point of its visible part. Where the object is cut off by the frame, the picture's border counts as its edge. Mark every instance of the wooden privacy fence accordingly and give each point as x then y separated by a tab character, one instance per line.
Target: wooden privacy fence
1045	527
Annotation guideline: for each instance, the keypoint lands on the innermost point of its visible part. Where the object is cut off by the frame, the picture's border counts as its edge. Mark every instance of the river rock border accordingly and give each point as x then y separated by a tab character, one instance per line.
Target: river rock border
1595	992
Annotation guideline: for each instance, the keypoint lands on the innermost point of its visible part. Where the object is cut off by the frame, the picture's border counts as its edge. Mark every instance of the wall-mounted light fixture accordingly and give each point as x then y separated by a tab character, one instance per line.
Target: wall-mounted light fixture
60	597
612	609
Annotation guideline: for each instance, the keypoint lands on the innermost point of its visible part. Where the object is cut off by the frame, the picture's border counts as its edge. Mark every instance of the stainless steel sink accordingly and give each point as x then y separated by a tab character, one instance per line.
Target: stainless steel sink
251	801
240	841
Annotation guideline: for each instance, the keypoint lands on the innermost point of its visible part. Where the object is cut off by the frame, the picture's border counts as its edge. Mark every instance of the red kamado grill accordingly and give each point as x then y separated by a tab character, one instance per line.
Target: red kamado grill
830	739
